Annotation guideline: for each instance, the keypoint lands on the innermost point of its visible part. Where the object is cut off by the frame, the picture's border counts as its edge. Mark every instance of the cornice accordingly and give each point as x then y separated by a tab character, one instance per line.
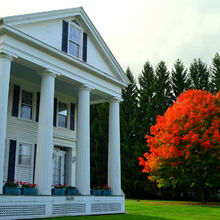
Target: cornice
5	29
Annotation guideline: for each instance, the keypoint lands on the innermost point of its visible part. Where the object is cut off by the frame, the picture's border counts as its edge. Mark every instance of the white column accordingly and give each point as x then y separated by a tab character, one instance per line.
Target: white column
44	168
5	66
83	138
114	164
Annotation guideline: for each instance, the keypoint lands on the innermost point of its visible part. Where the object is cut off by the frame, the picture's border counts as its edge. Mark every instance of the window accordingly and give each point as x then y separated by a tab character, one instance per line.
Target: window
25	154
74	41
26	104
62	115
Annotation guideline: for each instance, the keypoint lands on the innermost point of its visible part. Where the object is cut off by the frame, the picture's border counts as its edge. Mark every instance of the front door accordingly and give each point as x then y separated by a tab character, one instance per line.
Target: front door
59	166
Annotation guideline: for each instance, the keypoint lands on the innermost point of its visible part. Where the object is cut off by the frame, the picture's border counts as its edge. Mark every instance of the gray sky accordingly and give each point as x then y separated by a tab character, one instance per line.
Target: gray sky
141	30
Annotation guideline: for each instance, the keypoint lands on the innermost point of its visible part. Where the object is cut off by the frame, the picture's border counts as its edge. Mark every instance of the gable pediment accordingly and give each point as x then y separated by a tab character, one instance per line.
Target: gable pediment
48	28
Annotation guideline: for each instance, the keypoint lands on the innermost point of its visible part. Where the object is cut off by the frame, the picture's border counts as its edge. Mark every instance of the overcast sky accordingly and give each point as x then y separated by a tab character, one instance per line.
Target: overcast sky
141	30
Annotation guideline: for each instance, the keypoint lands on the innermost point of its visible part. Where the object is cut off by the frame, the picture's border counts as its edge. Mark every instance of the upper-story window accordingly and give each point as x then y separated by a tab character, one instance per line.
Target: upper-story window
62	115
26	104
74	41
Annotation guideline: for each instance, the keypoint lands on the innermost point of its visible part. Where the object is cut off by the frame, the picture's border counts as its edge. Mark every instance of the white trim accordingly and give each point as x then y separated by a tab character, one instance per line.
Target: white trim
70	23
17	166
34	100
73	73
89	25
30	206
32	156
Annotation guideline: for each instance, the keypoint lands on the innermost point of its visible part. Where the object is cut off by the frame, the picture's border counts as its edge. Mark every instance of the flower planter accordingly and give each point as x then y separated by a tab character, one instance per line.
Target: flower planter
96	192
58	192
29	191
106	192
11	190
72	192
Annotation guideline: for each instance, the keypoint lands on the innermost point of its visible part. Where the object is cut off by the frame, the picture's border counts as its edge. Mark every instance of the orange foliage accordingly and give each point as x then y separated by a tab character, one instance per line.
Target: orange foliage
190	126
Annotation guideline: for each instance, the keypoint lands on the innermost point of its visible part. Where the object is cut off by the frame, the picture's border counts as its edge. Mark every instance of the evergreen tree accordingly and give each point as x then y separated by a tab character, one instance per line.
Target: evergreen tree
163	91
199	75
99	143
133	183
180	82
147	114
128	115
215	74
128	110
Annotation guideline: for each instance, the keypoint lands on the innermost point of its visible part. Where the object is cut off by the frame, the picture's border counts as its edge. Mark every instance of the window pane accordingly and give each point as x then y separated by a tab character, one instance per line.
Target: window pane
74	49
25	152
27	97
24	159
26	149
74	35
62	121
26	104
26	111
62	109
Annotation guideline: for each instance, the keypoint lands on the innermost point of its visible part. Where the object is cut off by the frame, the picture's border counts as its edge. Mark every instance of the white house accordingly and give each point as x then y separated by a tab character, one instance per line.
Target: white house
53	66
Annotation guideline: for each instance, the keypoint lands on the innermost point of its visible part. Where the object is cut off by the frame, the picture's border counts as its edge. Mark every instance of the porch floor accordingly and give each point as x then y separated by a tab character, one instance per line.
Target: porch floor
27	207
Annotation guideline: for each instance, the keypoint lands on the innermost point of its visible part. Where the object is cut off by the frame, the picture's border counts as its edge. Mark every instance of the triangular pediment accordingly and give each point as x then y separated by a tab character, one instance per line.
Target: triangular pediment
47	27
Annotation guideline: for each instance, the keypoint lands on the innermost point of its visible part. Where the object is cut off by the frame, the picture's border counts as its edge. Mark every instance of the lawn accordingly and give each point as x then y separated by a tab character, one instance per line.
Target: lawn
165	210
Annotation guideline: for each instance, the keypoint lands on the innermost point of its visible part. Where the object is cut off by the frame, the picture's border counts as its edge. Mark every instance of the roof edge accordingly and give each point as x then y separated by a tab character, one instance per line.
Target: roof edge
40	16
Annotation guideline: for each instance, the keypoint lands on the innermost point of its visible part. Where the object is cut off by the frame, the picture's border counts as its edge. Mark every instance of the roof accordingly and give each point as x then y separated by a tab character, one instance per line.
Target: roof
64	14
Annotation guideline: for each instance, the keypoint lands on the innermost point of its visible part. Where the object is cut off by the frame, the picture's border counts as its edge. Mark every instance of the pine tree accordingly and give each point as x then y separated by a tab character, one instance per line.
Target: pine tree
163	91
215	74
133	183
199	75
147	114
180	82
99	143
128	119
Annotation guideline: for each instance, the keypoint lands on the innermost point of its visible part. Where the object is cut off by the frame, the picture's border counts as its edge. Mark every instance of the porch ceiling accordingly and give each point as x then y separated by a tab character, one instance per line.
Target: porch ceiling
29	72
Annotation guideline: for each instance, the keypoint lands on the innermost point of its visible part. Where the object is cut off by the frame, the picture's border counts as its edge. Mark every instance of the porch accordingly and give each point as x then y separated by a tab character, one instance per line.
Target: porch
27	207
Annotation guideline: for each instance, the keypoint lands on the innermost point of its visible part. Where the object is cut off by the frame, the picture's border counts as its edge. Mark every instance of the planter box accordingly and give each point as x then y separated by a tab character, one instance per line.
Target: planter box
29	191
106	192
72	192
58	192
96	192
11	190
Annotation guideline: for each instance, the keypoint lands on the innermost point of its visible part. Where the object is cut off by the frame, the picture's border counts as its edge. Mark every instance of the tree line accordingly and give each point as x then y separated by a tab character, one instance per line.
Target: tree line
155	89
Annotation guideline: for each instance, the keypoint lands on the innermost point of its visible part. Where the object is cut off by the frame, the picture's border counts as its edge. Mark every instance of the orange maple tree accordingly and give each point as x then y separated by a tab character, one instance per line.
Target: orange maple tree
184	144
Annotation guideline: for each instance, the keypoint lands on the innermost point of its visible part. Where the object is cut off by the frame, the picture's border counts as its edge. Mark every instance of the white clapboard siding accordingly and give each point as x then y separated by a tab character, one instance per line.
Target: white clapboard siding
25	131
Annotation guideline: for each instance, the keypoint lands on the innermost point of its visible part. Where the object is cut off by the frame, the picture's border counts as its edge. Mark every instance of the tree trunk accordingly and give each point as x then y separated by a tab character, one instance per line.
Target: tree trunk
202	194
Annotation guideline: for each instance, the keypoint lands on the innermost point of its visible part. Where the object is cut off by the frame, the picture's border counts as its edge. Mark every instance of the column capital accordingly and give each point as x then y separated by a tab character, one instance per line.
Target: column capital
47	72
6	56
86	87
115	99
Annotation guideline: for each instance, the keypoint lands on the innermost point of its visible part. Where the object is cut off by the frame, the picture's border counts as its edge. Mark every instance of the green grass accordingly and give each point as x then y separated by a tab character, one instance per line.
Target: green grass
146	210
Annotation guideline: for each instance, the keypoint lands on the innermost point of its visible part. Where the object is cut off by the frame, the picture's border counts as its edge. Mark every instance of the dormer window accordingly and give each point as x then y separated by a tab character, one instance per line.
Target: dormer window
74	41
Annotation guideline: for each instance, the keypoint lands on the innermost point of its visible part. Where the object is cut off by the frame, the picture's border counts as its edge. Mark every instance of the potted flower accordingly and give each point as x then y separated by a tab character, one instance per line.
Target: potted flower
71	190
59	190
96	190
107	190
28	188
11	188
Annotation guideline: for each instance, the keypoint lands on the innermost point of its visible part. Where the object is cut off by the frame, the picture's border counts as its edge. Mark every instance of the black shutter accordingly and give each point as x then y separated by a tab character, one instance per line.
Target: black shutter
55	113
15	104
84	47
11	160
38	107
72	116
65	36
35	153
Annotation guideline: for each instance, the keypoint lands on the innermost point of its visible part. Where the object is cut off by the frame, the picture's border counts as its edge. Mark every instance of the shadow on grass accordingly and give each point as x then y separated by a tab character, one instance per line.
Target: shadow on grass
111	217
